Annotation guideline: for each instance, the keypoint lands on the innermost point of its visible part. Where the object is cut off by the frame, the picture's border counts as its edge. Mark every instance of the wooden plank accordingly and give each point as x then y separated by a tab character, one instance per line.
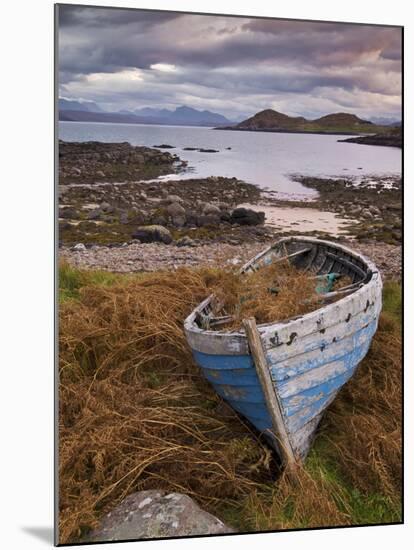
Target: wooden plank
257	261
349	264
289	256
270	393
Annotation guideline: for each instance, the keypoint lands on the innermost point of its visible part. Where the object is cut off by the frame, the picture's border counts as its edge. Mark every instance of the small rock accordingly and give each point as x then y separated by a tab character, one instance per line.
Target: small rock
374	210
80	247
68	213
123	218
94	214
211	209
152	233
207	220
175	209
185	241
367	214
173	199
178	221
107	208
177	213
191	217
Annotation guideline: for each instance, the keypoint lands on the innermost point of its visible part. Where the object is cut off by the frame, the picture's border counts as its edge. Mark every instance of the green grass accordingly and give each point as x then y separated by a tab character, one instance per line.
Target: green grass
362	508
71	280
392	300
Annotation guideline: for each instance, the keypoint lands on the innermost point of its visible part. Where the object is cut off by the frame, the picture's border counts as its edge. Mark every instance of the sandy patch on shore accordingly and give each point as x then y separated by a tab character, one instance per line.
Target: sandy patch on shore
301	219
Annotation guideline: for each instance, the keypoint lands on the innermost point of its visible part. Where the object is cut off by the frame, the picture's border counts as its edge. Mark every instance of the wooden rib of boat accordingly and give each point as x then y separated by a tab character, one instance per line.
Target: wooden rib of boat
295	368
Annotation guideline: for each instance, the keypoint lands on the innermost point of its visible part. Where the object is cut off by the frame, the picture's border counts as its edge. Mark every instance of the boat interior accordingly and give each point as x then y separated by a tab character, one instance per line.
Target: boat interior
323	260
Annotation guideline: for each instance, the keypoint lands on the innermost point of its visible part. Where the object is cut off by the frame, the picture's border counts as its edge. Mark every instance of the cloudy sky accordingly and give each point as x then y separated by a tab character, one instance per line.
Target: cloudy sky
127	59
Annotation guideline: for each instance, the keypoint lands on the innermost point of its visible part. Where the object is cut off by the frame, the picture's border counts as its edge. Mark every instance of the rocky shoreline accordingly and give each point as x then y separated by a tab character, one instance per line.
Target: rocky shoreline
113	216
374	204
139	257
94	162
392	138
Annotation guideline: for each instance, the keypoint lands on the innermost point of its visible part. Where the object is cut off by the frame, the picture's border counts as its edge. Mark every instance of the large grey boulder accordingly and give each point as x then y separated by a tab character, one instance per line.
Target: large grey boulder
156	514
246	216
152	233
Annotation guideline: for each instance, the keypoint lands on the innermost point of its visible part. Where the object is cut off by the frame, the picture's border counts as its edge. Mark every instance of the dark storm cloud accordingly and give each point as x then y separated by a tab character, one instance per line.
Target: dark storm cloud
236	64
110	17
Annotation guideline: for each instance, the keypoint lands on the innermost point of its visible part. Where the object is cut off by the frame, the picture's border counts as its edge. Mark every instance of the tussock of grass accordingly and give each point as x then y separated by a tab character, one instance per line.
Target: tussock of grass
72	279
136	414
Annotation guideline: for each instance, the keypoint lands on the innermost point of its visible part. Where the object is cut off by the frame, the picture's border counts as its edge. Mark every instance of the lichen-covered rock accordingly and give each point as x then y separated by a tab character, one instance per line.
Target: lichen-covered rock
152	233
155	514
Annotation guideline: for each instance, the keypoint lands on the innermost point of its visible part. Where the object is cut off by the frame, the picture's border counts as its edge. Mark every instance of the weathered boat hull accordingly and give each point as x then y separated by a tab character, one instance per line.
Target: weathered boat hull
309	358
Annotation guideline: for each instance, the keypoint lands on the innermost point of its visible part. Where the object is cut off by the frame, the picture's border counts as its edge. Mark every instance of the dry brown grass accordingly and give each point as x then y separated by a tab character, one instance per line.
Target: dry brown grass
134	411
366	420
136	414
275	292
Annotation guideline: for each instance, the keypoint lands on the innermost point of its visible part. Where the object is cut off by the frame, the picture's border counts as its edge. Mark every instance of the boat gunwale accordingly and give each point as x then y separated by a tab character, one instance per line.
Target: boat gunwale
191	327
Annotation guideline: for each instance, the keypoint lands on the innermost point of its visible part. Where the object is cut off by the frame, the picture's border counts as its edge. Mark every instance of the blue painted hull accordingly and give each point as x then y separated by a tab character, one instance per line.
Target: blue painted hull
235	379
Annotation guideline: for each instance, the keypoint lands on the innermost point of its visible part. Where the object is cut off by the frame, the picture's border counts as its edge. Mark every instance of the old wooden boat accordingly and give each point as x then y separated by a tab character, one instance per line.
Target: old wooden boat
283	375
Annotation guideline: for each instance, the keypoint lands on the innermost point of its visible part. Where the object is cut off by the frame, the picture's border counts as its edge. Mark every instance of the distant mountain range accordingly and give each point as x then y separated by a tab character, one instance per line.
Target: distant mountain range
335	123
268	120
88	111
78	105
385	121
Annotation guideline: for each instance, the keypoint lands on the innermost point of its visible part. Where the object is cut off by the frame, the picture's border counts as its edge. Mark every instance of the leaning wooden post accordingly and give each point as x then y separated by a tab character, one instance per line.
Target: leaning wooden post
271	397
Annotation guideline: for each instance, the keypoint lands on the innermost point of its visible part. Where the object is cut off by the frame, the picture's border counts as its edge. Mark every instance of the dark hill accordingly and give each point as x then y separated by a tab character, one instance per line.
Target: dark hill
272	119
336	123
340	119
